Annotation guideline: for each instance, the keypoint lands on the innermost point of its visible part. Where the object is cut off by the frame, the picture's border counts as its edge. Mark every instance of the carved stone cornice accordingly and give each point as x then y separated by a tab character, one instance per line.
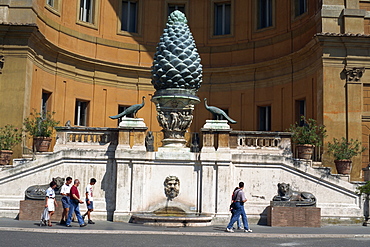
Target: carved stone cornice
354	74
2	60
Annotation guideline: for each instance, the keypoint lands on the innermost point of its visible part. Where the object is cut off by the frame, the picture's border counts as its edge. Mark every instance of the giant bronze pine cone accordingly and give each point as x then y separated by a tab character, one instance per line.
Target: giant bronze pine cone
176	63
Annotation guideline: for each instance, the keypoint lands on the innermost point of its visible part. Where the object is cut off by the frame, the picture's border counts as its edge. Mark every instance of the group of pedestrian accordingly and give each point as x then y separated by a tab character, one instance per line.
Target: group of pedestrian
238	199
71	201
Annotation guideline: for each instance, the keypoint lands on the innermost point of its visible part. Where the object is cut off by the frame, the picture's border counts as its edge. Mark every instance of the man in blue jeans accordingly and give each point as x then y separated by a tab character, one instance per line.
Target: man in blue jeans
239	200
74	205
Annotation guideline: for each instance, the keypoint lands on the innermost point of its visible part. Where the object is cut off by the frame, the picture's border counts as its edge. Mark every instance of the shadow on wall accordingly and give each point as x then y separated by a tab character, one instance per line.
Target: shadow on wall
263	217
108	184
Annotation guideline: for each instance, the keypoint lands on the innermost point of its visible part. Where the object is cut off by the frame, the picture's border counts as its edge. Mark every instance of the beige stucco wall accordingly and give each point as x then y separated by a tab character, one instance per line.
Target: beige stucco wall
48	49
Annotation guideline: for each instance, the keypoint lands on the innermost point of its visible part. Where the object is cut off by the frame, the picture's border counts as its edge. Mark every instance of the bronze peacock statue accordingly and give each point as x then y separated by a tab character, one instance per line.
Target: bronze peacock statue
218	112
130	110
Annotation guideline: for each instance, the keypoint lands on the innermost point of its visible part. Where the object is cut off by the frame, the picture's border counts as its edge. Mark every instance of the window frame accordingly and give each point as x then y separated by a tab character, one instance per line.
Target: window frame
183	5
46	98
55	8
258	26
94	16
294	8
213	18
267	124
174	2
77	114
138	19
298	110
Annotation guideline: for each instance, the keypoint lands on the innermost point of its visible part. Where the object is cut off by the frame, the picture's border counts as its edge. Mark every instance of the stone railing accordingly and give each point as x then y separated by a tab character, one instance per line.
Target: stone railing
91	138
133	138
253	140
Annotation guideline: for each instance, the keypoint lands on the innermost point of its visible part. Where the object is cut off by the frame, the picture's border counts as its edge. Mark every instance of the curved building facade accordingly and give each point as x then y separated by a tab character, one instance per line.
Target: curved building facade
265	62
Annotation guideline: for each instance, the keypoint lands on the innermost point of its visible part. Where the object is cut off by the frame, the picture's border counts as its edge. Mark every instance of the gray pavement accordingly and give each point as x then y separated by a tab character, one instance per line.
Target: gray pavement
259	231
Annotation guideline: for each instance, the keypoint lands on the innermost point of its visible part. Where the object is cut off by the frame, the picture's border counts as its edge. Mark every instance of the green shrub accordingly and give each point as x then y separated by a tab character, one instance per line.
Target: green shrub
309	133
342	149
40	124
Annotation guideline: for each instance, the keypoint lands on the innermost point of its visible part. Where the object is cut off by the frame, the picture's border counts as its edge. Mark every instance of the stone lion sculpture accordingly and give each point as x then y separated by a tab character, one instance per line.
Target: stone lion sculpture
285	193
37	192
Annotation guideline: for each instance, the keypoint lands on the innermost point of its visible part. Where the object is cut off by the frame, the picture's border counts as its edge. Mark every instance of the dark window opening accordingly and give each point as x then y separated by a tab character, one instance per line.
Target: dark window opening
264	13
300	106
173	7
264	118
86	10
129	16
300	7
45	102
222	20
81	111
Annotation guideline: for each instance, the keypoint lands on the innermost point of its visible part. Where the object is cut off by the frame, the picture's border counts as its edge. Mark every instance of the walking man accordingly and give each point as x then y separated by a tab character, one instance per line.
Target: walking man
74	205
89	201
64	191
239	199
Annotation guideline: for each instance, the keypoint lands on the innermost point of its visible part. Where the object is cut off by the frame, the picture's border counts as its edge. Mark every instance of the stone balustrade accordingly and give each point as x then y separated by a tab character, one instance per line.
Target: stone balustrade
253	140
85	137
126	138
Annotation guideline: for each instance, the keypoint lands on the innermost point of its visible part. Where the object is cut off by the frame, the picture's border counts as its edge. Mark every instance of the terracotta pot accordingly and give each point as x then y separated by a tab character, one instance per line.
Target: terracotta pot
41	144
305	151
5	156
343	166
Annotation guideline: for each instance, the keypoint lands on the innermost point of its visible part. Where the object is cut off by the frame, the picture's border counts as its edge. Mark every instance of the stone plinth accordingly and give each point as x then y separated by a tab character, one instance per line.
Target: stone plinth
132	122
32	210
294	216
131	134
216	131
216	125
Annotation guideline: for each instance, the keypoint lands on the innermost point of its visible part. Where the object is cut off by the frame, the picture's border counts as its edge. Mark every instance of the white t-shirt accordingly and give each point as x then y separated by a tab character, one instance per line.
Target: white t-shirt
66	188
89	191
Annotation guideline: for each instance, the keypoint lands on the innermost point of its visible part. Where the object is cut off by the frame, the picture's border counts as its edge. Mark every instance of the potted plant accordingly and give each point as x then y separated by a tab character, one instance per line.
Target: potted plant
306	136
343	151
40	126
9	137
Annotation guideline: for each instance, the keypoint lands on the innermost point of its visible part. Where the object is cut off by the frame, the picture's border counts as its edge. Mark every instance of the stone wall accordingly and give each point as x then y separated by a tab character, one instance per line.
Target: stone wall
131	180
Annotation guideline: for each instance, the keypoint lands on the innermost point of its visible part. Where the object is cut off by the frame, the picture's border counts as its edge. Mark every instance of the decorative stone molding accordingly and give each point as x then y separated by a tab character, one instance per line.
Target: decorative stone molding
2	60
354	74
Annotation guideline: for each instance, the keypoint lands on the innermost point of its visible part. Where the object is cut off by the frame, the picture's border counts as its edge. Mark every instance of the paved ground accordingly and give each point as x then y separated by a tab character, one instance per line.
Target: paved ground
106	227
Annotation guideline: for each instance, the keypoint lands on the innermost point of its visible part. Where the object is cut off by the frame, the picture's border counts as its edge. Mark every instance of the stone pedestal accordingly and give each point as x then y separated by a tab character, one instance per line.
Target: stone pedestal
132	134
216	134
294	216
132	123
175	107
32	210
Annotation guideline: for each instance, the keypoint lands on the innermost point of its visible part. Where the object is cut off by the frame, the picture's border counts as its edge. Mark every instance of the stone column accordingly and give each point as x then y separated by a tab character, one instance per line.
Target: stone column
123	190
354	114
